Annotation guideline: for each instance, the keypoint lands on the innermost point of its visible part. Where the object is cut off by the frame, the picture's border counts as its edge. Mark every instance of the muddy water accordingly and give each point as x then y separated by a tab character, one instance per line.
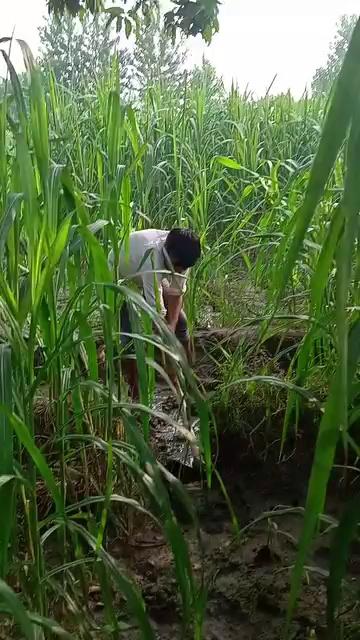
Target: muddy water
248	578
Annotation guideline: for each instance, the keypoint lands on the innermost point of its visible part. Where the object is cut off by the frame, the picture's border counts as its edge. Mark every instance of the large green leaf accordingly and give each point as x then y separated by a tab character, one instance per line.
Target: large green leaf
38	114
17	610
340	549
7	219
55	252
37	457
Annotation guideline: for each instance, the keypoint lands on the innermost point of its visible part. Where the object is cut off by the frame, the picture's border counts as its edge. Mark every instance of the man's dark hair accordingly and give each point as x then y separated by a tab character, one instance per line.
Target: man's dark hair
183	247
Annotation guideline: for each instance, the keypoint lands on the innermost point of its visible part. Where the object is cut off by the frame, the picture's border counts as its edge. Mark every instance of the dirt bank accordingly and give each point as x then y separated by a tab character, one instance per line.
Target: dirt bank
248	577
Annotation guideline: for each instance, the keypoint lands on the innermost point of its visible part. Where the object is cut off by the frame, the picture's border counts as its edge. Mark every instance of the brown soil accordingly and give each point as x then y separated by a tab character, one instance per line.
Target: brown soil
248	577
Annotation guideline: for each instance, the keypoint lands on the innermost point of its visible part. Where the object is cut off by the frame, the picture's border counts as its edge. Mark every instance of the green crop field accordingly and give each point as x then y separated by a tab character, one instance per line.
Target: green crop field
272	188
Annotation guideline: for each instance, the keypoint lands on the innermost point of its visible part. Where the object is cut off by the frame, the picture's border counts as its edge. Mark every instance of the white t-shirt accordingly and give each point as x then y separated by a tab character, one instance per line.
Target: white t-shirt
145	263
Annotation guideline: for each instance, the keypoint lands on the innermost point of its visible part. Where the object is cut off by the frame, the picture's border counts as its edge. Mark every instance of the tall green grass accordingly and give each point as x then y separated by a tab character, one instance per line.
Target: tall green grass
56	293
272	192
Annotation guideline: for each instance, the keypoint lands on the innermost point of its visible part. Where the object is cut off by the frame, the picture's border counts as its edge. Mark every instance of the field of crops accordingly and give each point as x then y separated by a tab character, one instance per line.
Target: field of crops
99	536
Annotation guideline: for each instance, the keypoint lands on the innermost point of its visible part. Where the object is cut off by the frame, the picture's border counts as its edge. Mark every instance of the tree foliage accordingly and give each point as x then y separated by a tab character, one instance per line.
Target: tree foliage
192	17
325	76
77	51
156	60
206	78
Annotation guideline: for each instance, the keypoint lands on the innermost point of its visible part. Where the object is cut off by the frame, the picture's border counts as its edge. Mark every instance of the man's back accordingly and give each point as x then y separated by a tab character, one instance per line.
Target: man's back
144	252
138	261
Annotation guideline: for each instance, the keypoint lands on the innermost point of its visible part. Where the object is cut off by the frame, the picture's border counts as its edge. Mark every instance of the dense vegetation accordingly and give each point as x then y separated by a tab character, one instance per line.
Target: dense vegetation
192	17
273	193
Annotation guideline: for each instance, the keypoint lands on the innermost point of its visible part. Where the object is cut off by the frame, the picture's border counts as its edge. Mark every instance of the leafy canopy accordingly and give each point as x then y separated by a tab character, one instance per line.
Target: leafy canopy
192	17
156	60
78	52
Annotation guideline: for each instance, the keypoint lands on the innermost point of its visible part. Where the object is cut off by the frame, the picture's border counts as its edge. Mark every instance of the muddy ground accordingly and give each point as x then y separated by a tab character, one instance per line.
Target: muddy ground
248	577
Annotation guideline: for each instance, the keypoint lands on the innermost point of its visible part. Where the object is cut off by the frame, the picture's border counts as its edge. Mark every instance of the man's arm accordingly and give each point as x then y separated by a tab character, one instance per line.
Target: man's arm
174	288
165	299
173	304
153	292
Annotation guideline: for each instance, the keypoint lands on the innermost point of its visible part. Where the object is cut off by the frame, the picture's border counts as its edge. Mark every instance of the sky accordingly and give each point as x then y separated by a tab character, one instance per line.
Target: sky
257	39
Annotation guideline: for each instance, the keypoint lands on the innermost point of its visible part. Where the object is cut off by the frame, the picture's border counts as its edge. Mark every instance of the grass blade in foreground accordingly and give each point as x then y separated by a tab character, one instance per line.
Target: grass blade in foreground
336	124
343	110
6	458
133	596
345	532
322	465
17	609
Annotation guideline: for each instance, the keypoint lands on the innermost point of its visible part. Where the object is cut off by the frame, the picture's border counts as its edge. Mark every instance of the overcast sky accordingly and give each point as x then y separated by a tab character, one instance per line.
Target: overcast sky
257	39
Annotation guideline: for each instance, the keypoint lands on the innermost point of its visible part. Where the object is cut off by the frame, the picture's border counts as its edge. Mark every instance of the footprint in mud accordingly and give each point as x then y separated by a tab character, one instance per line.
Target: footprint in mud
225	603
322	557
269	604
265	555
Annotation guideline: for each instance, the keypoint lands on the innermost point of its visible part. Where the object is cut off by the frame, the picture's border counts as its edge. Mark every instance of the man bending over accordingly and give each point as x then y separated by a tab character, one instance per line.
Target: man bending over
151	253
